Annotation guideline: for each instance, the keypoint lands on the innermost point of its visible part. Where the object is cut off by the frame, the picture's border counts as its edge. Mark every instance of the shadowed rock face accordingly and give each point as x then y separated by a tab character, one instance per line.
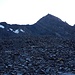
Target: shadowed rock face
47	25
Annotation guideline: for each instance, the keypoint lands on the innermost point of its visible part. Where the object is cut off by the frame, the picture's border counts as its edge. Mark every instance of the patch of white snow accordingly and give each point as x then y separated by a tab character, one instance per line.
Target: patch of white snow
1	26
16	31
22	30
10	29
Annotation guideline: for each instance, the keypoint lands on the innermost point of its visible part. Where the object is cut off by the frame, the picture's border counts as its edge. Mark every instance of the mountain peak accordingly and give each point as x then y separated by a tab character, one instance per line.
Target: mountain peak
49	20
52	17
48	15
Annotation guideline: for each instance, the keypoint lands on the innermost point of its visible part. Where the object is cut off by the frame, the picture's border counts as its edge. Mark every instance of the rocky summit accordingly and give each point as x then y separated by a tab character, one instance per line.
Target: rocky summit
44	48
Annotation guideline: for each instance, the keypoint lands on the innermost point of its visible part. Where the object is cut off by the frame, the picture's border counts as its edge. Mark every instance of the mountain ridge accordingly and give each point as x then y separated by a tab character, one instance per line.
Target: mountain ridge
47	25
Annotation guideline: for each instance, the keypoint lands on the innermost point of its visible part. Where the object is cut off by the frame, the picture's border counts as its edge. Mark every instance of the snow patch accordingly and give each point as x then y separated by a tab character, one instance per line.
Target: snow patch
10	29
16	31
1	26
22	30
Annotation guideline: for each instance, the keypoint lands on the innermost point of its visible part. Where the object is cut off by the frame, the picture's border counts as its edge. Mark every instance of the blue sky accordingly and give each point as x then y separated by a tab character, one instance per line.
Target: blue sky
30	11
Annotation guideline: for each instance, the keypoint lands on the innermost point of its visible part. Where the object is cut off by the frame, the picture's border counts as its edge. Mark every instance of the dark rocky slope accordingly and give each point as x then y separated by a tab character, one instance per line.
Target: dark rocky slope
48	25
45	48
37	56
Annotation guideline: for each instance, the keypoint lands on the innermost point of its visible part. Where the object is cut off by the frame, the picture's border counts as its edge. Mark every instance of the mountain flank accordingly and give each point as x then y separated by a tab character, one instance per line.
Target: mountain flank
47	25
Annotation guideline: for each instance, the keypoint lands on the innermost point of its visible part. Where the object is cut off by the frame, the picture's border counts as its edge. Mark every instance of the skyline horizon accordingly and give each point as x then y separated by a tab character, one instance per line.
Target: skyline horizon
30	11
36	21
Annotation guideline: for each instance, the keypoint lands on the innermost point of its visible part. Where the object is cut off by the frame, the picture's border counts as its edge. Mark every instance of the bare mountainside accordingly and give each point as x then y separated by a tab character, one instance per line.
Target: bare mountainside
47	25
45	48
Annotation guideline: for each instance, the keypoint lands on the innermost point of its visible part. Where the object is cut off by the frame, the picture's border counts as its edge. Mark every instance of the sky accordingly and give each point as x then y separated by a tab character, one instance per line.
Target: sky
30	11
